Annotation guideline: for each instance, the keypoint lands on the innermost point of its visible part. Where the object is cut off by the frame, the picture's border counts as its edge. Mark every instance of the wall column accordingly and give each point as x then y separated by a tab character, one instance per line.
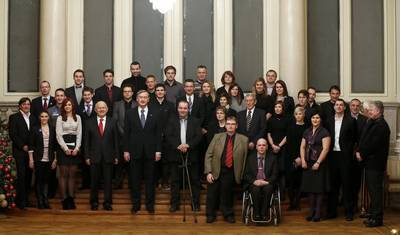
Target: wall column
293	47
53	42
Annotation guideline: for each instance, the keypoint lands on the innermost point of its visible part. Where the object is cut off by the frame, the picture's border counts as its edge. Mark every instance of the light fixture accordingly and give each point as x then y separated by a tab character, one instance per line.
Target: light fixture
162	5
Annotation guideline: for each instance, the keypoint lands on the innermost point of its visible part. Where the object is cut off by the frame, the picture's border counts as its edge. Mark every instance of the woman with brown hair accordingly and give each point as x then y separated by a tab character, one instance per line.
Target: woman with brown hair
280	93
69	136
227	79
237	97
264	101
207	98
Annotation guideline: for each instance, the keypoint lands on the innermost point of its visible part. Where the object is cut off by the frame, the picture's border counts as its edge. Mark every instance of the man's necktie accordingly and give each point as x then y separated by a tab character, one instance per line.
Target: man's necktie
260	172
45	105
101	127
88	109
190	104
142	118
248	120
229	153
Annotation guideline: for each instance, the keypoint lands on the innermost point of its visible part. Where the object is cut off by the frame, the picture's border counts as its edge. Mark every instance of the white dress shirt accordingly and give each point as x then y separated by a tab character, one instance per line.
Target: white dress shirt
338	126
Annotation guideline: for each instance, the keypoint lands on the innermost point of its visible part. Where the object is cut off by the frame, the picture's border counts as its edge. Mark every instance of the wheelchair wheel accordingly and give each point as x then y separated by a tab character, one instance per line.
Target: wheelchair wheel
246	215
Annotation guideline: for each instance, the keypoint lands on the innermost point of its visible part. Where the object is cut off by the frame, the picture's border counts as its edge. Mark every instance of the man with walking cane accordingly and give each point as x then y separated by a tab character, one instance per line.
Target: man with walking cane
183	135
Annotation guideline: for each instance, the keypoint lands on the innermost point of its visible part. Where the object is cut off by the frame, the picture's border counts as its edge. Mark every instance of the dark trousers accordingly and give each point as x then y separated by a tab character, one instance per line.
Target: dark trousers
53	182
261	196
163	170
293	183
120	169
374	180
221	191
340	176
176	181
96	171
142	168
356	180
24	178
42	174
85	171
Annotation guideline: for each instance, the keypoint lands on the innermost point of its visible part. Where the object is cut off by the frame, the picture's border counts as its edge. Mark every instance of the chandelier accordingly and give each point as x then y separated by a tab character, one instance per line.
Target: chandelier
162	5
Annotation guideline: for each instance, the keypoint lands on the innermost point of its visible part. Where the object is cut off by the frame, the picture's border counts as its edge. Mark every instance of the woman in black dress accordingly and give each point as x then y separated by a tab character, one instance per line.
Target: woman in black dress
224	102
42	143
264	101
276	135
217	125
227	79
207	98
280	93
313	151
293	160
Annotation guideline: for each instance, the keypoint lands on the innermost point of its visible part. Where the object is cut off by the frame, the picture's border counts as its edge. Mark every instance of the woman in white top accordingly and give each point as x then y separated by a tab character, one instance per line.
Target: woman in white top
69	136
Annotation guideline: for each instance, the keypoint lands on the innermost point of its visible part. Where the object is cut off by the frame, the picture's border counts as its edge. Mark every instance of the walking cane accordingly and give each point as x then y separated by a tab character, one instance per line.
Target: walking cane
364	197
185	174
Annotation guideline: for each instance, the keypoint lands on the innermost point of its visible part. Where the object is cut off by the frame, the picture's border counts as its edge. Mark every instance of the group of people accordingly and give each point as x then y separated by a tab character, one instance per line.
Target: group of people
146	129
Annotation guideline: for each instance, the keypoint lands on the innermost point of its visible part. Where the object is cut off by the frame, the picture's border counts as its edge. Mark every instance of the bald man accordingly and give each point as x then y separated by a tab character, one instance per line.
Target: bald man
260	176
101	152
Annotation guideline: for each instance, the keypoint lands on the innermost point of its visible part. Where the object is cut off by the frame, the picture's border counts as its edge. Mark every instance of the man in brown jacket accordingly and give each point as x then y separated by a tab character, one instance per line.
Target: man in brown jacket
224	165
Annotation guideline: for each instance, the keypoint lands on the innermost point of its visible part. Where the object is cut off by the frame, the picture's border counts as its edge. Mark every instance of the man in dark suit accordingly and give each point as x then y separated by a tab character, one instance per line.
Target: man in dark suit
75	92
343	134
373	151
86	111
44	101
196	109
183	135
166	110
327	107
108	93
224	165
260	177
357	171
137	81
252	121
20	124
101	152
119	111
142	147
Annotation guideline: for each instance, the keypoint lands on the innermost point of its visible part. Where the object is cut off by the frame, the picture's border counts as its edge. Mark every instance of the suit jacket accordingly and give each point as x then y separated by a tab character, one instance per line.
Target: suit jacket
173	138
102	95
138	140
258	124
37	106
98	148
327	111
138	83
270	169
119	114
36	143
361	121
197	107
70	92
347	136
19	132
166	110
212	161
374	144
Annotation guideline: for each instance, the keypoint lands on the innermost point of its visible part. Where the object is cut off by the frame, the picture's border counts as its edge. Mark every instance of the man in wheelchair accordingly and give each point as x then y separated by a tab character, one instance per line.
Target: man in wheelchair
260	176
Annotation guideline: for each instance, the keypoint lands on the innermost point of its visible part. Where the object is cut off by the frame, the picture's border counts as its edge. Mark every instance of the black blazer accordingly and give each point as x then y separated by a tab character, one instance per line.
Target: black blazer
197	107
347	136
138	83
361	121
19	132
138	140
258	124
101	149
101	94
166	110
36	142
327	111
70	92
270	169
37	107
374	144
173	137
81	111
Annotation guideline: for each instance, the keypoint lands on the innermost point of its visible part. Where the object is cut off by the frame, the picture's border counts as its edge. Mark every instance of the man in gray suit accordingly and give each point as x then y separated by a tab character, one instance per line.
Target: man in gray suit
120	108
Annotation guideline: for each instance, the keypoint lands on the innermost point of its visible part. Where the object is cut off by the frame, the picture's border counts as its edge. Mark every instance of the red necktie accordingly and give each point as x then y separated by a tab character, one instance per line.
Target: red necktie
45	104
229	153
101	128
109	92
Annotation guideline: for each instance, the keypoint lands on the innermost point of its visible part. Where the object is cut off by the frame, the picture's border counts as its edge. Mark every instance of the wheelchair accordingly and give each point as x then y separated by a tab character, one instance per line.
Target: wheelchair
274	208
